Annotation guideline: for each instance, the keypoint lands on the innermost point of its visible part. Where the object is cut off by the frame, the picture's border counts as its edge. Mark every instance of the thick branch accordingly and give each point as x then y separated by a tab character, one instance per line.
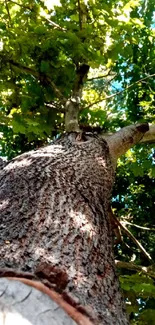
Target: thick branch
61	310
138	268
149	136
71	105
124	139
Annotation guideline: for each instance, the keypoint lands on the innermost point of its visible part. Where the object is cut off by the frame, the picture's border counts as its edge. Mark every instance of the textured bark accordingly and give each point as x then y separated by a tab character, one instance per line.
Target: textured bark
54	220
126	138
72	105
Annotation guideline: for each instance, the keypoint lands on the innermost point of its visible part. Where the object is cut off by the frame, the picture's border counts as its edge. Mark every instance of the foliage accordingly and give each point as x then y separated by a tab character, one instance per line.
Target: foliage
140	294
43	43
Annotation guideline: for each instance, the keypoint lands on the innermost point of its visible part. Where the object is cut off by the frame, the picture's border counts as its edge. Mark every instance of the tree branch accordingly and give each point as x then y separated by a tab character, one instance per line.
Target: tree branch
100	77
39	76
149	136
54	24
140	80
80	15
83	13
138	268
137	226
7	9
131	236
138	244
55	106
73	104
79	313
105	98
124	139
121	91
43	14
20	5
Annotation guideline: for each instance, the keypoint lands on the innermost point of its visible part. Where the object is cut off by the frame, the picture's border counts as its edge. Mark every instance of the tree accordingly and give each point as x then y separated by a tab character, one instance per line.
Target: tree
68	183
78	171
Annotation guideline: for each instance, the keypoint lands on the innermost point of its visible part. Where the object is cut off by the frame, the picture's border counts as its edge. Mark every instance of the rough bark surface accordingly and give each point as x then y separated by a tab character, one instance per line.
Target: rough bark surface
54	219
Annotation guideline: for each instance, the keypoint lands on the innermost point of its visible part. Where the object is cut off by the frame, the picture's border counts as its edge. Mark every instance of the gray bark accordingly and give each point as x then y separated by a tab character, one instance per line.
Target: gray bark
54	221
25	305
54	210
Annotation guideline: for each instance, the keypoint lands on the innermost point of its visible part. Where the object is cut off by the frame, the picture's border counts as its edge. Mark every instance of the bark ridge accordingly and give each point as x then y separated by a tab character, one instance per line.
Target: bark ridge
54	211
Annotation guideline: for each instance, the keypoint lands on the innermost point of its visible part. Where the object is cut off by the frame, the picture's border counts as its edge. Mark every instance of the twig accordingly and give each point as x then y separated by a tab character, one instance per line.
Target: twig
7	9
100	77
20	5
38	76
137	226
43	14
54	24
131	236
121	91
56	106
108	97
56	90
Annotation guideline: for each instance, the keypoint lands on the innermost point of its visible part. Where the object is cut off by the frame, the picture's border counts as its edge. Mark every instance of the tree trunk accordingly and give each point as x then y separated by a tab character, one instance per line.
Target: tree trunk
54	222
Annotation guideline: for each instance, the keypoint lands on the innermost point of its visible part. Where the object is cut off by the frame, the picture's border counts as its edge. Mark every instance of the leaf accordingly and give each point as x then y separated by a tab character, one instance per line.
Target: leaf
152	172
40	29
75	17
18	127
44	67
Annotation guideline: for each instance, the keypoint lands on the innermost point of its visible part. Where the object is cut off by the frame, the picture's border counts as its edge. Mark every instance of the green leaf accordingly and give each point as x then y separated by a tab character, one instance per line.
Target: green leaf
75	17
18	127
44	67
